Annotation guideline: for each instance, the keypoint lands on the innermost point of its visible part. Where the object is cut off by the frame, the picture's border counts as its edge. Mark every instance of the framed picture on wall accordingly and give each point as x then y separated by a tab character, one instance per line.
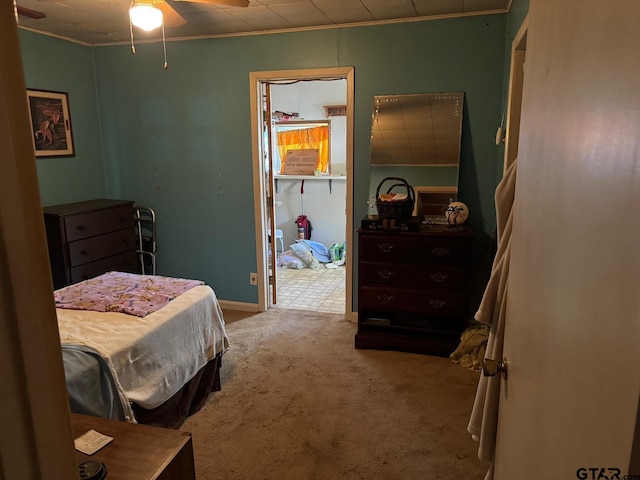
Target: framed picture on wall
50	123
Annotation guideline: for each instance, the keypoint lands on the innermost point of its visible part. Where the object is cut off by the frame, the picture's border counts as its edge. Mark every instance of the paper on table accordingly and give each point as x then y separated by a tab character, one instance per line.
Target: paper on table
91	441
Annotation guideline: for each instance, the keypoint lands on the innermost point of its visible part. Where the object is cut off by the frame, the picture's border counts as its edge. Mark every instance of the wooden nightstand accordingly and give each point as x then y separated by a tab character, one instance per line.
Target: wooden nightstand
138	452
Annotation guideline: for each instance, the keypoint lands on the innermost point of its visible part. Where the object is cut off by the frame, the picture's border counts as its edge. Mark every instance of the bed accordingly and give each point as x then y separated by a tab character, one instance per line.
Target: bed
140	348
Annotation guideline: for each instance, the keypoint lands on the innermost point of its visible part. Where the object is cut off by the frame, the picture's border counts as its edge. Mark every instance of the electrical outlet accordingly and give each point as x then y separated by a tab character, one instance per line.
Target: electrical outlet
253	278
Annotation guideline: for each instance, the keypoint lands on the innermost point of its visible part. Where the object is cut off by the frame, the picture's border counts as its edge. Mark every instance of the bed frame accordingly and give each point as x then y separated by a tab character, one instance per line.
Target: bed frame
187	401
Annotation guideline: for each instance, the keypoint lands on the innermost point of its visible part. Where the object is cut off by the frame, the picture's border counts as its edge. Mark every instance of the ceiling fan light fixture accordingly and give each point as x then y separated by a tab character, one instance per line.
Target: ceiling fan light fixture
145	16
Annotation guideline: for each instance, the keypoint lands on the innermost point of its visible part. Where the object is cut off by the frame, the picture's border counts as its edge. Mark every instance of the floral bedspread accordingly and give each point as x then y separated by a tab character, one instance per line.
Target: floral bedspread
128	293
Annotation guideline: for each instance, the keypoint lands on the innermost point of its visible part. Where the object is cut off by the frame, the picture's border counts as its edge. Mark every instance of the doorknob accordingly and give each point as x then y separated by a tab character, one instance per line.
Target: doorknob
491	368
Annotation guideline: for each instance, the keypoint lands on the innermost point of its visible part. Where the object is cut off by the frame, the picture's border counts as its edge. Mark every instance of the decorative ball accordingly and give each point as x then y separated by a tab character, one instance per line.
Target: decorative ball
456	213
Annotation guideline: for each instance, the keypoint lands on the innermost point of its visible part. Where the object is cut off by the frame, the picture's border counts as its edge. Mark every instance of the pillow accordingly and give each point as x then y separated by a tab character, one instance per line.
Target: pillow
304	254
289	260
318	250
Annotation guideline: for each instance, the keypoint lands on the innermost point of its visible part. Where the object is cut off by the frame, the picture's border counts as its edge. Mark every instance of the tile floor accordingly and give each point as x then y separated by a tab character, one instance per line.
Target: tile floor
318	289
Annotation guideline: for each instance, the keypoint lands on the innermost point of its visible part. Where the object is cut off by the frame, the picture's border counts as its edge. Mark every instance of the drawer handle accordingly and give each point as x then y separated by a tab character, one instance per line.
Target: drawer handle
123	218
438	277
80	227
125	241
83	252
386	299
437	303
440	252
386	274
385	247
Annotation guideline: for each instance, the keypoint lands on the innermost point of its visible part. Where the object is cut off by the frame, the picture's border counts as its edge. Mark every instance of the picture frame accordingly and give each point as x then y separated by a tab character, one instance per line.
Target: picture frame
50	119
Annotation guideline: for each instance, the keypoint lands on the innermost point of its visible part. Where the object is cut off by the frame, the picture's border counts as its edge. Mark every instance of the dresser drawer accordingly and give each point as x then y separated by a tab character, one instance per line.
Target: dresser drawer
414	249
124	262
95	248
89	224
402	274
436	303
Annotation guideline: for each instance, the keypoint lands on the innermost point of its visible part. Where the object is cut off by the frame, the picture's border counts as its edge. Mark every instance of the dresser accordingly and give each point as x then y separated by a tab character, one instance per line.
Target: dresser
413	289
86	239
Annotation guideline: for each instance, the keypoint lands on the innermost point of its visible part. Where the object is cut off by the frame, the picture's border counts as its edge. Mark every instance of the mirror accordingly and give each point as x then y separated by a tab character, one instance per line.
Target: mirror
418	137
420	129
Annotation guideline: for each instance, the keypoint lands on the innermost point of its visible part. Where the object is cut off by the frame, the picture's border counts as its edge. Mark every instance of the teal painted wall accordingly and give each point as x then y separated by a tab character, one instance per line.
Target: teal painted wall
179	140
58	65
517	14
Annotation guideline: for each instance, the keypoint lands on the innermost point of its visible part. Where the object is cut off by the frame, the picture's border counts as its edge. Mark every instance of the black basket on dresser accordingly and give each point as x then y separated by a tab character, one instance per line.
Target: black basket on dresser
399	209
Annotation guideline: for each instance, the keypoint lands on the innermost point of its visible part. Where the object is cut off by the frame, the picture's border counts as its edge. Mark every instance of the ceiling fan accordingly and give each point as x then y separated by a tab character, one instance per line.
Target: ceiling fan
27	12
148	9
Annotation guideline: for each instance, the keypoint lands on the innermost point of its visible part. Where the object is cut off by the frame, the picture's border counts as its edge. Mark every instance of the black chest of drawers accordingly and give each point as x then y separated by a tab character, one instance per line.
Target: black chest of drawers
413	289
86	239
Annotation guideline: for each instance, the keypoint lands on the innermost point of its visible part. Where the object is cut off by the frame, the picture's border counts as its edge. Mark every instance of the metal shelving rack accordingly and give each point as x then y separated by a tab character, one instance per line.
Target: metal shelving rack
145	223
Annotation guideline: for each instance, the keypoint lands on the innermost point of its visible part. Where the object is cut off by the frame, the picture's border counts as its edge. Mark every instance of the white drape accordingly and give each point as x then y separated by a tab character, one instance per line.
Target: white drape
492	312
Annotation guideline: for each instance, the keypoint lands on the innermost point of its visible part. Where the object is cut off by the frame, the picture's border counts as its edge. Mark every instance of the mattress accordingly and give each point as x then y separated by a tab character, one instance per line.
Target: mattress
150	358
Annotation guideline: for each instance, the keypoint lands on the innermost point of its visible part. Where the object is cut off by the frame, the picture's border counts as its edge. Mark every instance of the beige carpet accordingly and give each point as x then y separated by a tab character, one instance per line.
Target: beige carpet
299	402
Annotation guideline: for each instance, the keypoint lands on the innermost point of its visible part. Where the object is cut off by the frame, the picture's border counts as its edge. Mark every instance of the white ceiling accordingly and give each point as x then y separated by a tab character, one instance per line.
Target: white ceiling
99	22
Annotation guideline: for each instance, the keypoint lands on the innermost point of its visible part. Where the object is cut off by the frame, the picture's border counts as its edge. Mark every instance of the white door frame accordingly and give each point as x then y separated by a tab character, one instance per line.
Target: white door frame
256	79
516	85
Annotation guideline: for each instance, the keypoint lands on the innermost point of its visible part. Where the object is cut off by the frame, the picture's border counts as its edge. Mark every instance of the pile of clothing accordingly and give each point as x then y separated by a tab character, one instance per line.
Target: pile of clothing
311	254
470	351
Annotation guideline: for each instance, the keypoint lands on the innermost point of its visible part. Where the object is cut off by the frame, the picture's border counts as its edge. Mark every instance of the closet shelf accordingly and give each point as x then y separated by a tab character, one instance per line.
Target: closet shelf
310	177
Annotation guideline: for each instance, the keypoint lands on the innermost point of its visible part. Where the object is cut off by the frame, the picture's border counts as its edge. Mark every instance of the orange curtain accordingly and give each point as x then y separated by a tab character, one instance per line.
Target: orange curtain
305	138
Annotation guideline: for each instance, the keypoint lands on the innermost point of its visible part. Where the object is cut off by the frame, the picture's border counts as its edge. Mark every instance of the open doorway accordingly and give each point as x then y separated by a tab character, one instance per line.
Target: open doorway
324	196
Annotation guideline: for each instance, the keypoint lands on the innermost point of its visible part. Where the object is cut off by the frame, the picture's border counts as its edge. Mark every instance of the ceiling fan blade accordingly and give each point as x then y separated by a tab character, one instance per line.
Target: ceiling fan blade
27	12
171	18
228	3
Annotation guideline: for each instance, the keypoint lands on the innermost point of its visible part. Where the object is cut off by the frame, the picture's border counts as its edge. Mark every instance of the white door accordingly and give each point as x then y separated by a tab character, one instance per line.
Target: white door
568	409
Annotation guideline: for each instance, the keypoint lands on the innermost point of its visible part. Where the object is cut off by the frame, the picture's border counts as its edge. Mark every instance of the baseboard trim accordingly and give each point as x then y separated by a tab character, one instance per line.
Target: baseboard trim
240	306
254	307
